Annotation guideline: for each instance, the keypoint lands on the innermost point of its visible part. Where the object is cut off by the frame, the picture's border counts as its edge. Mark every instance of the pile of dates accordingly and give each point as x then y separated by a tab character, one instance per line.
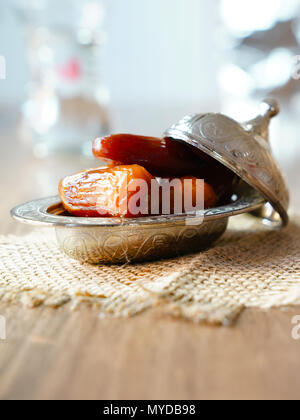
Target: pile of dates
135	162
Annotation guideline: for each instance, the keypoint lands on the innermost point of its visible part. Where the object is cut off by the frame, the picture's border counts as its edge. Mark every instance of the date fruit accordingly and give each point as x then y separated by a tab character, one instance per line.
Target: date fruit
161	157
189	194
166	157
104	192
131	191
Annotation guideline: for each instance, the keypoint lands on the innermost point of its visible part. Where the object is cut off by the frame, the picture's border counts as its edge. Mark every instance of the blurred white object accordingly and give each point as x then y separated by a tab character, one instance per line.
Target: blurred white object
244	17
261	43
67	100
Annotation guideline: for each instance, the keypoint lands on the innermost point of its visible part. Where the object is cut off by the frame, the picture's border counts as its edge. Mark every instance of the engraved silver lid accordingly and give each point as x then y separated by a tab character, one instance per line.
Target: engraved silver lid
245	149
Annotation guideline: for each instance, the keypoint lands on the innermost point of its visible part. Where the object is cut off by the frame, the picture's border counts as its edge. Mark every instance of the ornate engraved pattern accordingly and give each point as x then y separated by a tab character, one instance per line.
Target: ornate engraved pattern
215	131
244	151
98	246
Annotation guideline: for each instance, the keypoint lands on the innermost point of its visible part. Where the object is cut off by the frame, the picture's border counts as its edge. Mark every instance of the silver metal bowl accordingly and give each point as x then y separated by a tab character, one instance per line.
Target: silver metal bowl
119	241
243	148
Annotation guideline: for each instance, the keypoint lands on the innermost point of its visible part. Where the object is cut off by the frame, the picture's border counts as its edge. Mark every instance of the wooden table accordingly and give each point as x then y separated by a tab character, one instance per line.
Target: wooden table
59	354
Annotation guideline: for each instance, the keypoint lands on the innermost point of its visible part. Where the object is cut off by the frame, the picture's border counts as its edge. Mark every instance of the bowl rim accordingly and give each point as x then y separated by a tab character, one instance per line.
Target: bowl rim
41	213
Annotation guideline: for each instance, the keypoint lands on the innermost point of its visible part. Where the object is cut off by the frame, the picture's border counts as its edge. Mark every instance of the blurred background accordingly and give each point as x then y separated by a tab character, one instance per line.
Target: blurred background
77	69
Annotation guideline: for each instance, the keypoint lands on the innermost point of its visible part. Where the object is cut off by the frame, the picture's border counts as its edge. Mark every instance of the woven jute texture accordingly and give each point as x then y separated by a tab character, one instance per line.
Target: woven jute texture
250	267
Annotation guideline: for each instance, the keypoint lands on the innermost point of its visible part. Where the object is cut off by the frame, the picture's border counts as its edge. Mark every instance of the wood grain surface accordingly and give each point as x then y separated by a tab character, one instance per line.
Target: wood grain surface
60	354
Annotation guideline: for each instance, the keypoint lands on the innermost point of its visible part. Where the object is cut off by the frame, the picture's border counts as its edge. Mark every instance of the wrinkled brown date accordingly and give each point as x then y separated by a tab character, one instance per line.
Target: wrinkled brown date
166	157
102	192
110	191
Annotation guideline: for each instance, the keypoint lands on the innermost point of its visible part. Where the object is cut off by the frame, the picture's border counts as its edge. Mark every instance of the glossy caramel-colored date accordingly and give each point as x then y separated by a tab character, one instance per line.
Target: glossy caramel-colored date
104	192
183	195
130	191
166	157
190	196
161	157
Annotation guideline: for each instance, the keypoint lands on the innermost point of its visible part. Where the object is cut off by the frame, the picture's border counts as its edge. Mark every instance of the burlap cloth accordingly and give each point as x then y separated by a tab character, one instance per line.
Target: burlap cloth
250	267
